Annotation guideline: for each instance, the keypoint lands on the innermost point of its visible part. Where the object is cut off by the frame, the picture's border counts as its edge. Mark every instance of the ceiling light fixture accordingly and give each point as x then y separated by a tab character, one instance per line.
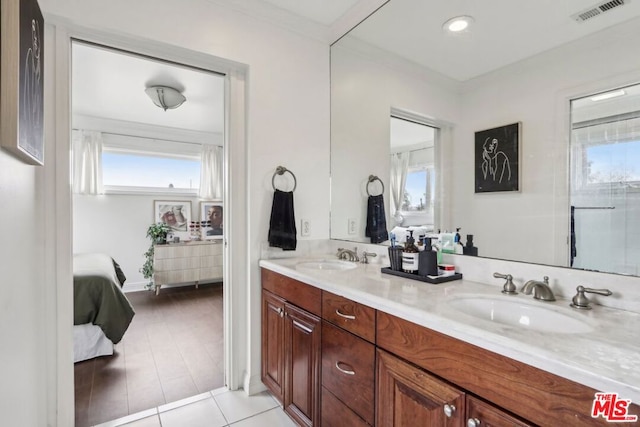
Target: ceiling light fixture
608	95
458	24
165	97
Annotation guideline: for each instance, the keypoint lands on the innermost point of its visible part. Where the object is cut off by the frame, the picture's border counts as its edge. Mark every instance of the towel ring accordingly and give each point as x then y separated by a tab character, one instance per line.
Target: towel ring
280	170
373	178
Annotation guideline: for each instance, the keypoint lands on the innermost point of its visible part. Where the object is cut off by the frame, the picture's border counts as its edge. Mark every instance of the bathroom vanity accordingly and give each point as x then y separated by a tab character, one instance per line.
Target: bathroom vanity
352	346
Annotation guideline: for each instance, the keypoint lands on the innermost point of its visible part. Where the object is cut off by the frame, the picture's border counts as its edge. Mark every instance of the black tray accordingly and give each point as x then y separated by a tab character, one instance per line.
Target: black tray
439	279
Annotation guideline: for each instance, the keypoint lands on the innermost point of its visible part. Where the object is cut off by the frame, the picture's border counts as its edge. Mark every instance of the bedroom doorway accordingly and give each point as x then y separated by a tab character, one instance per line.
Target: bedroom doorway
136	158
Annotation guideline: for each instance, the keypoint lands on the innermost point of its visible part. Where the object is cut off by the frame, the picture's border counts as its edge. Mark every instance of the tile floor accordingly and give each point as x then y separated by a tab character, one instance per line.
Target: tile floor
217	408
173	349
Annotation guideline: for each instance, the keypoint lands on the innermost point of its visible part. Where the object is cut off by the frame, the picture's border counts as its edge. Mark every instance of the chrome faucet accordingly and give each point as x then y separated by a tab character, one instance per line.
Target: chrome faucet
366	254
541	290
348	255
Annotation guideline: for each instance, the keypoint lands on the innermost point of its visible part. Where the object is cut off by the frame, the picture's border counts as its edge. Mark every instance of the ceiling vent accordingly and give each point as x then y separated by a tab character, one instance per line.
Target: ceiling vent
598	9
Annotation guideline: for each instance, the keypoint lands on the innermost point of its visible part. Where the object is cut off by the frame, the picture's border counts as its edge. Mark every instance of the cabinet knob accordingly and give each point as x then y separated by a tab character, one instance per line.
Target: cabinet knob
473	422
449	410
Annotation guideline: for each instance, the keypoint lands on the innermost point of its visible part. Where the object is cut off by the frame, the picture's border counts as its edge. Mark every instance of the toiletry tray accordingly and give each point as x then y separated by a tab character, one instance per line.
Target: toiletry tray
428	279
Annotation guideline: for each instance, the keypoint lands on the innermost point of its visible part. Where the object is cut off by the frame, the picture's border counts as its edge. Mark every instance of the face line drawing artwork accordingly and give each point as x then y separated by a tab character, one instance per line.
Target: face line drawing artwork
494	163
32	88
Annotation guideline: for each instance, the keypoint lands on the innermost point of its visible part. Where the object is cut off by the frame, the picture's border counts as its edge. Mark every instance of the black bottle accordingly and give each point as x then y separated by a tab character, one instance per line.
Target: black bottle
469	249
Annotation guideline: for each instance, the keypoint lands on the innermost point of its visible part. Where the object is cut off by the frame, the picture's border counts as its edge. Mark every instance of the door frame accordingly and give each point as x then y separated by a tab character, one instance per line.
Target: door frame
59	226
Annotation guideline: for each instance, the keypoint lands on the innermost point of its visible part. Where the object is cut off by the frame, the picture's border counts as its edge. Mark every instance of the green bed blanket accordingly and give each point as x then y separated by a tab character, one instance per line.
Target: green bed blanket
98	297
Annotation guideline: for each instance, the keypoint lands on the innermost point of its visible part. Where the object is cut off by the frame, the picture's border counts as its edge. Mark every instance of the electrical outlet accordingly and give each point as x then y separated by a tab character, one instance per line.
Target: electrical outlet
352	226
306	227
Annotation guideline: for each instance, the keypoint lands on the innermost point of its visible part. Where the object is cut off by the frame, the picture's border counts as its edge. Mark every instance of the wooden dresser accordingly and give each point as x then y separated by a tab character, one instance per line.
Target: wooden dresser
191	262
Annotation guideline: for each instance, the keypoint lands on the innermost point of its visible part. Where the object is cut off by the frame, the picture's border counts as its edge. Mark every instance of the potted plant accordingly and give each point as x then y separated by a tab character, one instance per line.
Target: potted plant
158	234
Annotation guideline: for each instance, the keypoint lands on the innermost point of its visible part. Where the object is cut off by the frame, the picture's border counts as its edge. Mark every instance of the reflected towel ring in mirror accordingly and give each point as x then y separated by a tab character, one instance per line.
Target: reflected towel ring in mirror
280	170
373	178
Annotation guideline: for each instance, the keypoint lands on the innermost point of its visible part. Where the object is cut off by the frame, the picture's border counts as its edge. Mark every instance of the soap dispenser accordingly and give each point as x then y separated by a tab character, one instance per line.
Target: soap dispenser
469	249
428	265
410	255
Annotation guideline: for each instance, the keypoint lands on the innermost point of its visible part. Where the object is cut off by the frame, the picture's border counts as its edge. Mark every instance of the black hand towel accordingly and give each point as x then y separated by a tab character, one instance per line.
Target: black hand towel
376	221
282	227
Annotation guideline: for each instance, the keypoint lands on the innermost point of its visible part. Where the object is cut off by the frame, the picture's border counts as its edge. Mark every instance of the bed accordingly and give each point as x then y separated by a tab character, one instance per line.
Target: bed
102	312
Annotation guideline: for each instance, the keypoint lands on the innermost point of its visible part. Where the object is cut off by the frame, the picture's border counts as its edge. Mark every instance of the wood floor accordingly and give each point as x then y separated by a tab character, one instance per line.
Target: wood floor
173	349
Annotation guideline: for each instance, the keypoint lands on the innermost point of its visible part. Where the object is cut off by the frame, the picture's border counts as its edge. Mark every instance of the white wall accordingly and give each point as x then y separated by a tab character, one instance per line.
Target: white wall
532	225
363	92
22	294
116	225
288	124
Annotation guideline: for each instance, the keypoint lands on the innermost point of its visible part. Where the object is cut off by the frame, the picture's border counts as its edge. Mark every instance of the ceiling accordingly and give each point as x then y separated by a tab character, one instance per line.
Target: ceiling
503	32
110	84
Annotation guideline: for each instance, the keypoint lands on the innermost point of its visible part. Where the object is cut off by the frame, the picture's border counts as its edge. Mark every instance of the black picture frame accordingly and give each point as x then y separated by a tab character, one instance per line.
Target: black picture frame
22	80
497	159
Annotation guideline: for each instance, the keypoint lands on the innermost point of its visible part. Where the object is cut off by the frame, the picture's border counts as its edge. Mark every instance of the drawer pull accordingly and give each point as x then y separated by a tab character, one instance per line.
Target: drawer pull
345	371
449	410
278	310
346	316
473	422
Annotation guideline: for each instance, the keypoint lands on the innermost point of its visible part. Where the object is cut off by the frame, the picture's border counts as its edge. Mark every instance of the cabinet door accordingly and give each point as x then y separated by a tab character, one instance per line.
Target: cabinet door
481	414
302	365
408	396
273	341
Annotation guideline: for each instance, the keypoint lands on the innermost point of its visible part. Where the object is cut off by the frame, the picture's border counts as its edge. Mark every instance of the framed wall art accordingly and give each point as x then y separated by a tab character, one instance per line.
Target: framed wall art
21	80
211	214
175	213
497	159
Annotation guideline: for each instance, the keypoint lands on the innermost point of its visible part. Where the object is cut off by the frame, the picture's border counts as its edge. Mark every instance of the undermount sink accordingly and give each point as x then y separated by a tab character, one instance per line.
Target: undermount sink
328	265
533	316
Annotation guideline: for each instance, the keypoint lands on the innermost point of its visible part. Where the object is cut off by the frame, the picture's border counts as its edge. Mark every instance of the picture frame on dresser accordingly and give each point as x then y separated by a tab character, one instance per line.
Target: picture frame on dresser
176	214
212	215
22	80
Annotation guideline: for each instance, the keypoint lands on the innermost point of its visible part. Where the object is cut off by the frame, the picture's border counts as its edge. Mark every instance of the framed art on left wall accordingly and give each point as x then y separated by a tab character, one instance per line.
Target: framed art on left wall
21	79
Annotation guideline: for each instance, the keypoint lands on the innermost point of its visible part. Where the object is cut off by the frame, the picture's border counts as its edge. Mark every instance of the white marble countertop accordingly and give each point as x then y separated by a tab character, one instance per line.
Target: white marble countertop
607	358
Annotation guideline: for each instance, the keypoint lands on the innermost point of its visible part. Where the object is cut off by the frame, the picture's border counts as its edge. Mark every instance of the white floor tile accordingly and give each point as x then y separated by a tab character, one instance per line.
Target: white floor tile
272	418
203	413
129	419
236	405
153	421
182	402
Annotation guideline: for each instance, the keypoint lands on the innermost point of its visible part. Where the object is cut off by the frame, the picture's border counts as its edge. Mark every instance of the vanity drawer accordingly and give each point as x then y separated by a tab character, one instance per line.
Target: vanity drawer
337	414
304	296
348	369
352	316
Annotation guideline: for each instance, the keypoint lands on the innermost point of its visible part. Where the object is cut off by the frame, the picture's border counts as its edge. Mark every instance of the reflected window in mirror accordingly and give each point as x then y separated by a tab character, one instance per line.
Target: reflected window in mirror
605	181
413	172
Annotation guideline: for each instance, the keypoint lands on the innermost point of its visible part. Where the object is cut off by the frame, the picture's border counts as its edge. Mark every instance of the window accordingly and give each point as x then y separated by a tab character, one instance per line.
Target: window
419	190
144	165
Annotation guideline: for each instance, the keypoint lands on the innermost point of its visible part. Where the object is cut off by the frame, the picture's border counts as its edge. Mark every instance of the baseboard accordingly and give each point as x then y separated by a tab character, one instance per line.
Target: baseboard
134	287
253	385
142	286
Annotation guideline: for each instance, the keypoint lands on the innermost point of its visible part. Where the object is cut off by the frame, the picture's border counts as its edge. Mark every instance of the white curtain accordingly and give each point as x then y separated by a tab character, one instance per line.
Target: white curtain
87	162
399	167
211	172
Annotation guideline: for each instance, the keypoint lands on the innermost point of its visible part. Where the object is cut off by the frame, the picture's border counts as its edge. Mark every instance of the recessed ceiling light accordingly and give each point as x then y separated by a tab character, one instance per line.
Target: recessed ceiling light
457	24
608	95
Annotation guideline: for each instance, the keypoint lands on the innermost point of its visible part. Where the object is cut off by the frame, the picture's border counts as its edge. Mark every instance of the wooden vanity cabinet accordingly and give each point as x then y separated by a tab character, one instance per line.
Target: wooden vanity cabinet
513	387
291	338
348	361
410	397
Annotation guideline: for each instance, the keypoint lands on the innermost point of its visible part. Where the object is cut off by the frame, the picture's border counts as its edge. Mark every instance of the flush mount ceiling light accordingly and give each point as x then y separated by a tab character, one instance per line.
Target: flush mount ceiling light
165	97
608	95
457	24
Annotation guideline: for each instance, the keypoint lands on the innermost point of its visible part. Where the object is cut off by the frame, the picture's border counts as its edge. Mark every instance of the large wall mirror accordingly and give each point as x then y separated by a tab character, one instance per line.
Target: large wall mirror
550	87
